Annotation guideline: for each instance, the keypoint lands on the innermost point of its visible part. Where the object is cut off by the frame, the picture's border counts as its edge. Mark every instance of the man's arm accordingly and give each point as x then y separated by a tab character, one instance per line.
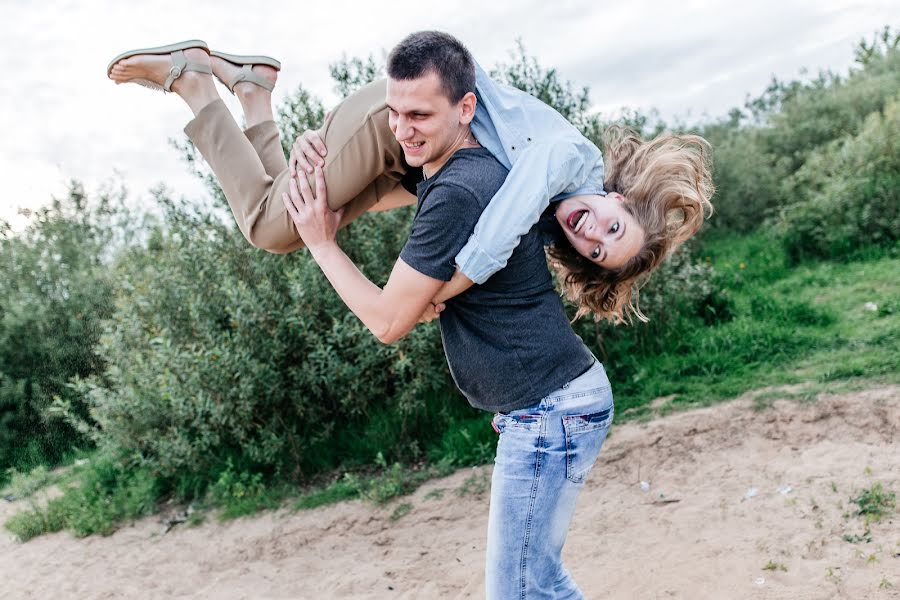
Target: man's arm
389	313
396	198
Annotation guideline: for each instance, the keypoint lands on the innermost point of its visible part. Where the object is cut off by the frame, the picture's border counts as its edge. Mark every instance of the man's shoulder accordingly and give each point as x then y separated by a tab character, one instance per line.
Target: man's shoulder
474	170
473	163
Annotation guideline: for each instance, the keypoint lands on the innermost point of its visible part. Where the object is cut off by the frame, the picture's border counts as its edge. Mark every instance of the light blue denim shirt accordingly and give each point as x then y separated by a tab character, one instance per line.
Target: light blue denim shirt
548	159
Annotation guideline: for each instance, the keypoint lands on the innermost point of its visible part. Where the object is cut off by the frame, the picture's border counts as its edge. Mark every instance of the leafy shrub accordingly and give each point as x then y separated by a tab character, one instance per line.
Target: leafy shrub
56	291
219	350
874	503
747	181
107	492
764	155
830	107
240	493
852	193
679	296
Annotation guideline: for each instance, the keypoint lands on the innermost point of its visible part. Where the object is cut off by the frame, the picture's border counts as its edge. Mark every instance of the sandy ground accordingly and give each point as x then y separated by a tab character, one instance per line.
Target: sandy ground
714	542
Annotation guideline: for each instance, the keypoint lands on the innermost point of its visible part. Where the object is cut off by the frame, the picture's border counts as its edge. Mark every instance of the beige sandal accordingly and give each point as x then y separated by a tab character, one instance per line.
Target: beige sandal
179	62
246	73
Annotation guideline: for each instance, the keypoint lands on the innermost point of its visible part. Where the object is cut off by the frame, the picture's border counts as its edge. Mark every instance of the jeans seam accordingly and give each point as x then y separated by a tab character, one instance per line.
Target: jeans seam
530	519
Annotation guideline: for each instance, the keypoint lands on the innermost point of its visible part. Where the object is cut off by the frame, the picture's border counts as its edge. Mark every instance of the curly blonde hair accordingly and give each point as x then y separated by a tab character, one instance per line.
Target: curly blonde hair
667	185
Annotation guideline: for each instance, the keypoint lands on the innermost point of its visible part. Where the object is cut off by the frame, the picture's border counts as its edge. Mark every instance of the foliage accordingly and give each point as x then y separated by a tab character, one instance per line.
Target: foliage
764	154
107	492
874	503
219	350
207	369
56	292
240	493
353	73
680	297
849	193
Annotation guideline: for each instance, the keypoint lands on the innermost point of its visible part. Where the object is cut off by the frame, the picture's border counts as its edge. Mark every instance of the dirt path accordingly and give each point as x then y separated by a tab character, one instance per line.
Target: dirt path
713	543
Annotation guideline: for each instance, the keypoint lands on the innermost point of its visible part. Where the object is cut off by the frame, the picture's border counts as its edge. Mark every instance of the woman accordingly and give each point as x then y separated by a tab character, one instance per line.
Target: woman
658	191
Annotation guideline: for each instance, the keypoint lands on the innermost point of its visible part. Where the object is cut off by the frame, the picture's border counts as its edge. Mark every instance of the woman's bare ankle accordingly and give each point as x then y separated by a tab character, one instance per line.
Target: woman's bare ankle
258	113
197	89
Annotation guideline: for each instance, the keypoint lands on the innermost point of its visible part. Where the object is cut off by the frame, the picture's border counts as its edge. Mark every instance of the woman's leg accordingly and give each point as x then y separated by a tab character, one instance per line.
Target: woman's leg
543	456
256	103
364	163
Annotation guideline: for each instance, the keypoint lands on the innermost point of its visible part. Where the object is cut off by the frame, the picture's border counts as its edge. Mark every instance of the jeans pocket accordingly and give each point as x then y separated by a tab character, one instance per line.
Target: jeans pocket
585	435
521	422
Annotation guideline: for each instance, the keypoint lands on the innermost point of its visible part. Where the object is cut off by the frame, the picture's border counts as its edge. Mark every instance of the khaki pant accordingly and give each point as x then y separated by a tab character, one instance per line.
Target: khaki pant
363	165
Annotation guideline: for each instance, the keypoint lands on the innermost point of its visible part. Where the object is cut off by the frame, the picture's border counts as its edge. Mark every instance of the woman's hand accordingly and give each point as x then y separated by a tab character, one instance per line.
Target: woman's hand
307	152
316	223
432	312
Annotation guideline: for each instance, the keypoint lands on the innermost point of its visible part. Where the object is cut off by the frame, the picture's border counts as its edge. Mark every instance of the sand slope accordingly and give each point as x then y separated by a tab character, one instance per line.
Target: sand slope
712	543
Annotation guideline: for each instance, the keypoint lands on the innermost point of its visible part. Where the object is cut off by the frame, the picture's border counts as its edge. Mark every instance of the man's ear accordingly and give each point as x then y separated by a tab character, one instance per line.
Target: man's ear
467	108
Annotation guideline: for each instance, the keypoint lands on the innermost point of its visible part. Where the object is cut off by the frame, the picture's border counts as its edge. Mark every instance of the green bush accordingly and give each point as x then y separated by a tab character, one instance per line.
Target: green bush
764	156
56	291
851	196
831	108
218	350
747	181
240	493
680	296
108	491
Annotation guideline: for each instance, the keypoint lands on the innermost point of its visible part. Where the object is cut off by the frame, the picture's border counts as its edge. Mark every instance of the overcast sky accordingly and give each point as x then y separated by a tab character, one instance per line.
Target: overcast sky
62	118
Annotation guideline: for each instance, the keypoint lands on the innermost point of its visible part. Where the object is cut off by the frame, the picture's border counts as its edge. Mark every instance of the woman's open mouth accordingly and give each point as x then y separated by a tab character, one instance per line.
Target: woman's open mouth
577	219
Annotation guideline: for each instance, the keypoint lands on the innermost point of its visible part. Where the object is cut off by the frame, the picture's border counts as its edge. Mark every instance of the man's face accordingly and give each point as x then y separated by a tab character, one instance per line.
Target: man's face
428	127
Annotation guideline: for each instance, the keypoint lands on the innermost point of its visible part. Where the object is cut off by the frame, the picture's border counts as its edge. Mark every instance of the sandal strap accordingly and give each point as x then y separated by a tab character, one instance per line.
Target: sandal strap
179	66
246	74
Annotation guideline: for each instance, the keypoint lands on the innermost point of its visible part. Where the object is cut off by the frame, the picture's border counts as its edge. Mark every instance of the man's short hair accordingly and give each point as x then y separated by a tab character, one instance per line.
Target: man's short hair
426	51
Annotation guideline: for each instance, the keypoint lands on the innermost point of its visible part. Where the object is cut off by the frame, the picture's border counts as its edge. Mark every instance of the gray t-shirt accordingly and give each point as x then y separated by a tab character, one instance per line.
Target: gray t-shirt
508	341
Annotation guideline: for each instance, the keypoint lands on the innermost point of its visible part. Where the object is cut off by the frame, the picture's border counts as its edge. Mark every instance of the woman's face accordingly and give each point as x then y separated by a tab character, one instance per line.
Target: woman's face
600	228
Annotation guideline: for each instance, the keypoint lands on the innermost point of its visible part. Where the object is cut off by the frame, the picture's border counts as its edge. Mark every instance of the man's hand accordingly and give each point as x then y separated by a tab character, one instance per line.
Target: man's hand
316	223
307	152
432	312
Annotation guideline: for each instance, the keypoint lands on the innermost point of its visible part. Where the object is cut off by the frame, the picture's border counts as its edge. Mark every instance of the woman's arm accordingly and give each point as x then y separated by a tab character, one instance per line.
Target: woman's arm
396	198
547	157
541	173
456	286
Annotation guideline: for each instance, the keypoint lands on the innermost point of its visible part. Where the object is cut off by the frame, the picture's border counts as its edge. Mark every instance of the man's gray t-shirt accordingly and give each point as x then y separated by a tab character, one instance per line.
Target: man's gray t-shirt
508	341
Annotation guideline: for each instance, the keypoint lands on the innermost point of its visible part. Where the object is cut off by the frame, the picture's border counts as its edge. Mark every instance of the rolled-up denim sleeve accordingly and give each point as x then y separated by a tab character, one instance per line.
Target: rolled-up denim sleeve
540	173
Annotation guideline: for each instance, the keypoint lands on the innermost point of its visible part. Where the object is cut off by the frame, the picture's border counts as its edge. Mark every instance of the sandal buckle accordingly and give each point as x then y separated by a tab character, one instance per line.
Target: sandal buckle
175	72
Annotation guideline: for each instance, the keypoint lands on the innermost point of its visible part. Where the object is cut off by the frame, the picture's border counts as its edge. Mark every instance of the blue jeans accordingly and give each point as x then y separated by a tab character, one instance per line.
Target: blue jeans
543	456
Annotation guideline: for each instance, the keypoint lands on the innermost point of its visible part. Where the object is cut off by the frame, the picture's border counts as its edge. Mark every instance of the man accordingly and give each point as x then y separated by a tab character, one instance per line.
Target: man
508	342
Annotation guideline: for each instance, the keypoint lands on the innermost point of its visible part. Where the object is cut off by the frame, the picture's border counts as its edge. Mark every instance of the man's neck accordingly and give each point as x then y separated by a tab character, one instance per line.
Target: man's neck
464	140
